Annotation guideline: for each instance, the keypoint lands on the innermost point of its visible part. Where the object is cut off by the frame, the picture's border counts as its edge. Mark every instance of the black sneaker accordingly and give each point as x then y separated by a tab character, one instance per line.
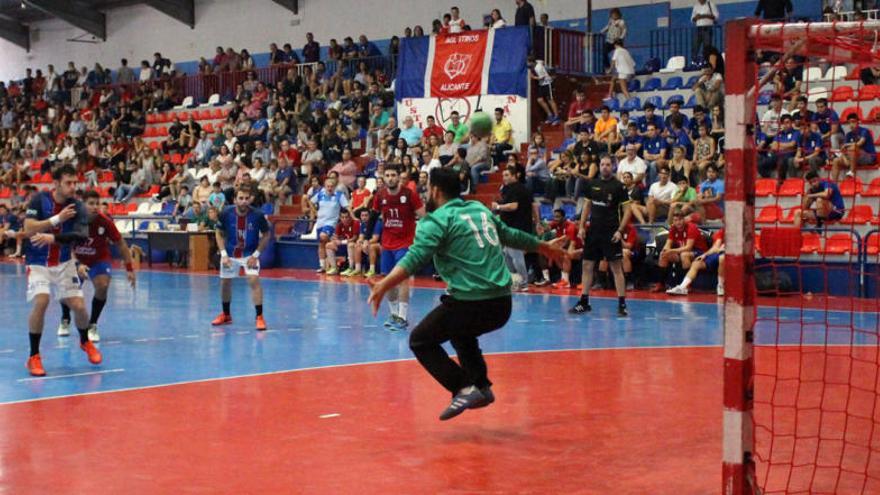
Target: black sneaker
488	395
621	311
580	308
541	282
461	402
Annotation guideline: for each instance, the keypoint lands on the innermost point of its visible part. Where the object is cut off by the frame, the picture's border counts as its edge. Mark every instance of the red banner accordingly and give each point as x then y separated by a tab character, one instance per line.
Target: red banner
458	64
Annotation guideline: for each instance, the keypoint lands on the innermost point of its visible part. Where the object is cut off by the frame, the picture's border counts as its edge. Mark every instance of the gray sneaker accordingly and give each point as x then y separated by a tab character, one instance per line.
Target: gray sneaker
462	402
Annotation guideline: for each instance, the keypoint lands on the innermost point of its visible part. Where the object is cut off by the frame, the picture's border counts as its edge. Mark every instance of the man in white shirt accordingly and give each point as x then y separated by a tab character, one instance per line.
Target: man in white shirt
709	88
632	164
456	24
770	121
624	68
704	16
660	196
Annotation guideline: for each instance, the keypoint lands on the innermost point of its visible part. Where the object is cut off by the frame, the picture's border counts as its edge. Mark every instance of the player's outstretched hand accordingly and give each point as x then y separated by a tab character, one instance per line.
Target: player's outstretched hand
552	250
377	292
67	213
40	240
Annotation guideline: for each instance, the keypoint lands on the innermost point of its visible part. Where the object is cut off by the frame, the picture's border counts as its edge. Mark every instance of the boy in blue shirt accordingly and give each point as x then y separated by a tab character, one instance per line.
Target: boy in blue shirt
811	151
858	149
825	195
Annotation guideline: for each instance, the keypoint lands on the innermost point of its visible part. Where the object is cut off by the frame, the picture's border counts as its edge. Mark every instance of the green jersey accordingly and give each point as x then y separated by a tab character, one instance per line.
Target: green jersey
686	196
465	240
460	130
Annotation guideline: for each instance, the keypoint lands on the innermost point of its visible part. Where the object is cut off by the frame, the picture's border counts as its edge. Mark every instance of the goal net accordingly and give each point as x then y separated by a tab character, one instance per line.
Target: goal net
801	353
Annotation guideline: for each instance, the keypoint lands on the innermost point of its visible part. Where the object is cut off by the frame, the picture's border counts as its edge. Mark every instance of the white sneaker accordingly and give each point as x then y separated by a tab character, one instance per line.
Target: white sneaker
849	174
719	290
320	270
677	291
64	329
94	336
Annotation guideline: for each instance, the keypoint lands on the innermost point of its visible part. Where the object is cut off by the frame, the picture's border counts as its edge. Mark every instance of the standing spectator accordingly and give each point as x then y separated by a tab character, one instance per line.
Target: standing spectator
311	50
858	149
456	23
495	20
525	14
614	31
160	65
146	72
124	75
704	16
709	88
328	202
624	68
774	10
502	137
515	209
539	73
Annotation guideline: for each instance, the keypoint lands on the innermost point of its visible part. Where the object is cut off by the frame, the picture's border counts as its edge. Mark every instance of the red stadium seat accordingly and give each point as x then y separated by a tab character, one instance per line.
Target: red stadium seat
872	246
765	187
792	214
811	243
183	116
163	131
5	193
209	128
791	187
851	186
176	159
841	243
155	145
873	189
874	116
769	214
869	92
844	115
106	176
842	93
218	114
151	118
131	208
858	215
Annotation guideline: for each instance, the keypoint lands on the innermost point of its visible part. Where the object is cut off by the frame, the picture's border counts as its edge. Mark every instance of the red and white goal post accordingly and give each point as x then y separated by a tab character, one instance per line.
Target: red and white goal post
801	376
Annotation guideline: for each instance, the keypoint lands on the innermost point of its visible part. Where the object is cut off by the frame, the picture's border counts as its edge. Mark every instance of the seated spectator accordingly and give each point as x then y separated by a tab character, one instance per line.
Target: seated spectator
184	200
829	124
217	199
632	164
710	198
713	259
782	151
138	184
684	198
623	67
858	149
655	152
659	198
202	192
684	243
770	121
561	170
537	172
431	129
680	167
329	203
605	130
634	191
677	136
630	138
675	113
367	242
577	110
312	159
448	151
311	189
870	75
410	133
788	81
650	118
801	112
347	171
345	236
704	150
709	88
810	151
822	203
477	159
501	139
212	220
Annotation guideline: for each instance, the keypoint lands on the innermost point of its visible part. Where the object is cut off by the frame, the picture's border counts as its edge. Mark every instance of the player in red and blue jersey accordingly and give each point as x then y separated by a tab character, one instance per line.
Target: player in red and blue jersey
241	236
822	203
399	208
95	263
55	222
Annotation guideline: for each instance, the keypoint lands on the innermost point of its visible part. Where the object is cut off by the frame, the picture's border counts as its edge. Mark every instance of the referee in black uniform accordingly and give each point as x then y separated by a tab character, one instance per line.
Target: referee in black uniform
607	208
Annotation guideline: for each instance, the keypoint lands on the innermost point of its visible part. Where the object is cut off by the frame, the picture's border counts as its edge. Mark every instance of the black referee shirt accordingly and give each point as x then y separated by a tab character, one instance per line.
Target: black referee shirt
606	197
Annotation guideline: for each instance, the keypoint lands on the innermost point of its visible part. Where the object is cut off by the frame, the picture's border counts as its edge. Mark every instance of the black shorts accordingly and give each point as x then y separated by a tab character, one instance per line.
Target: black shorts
598	246
545	91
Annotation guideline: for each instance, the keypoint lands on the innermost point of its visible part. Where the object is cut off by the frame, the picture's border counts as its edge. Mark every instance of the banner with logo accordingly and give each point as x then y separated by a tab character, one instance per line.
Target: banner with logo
485	62
516	110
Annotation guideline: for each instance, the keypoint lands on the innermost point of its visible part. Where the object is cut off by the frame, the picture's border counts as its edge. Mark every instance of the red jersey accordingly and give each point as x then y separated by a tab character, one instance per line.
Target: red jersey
631	237
102	232
577	109
718	236
434	130
689	231
398	216
291	155
559	228
348	232
571	231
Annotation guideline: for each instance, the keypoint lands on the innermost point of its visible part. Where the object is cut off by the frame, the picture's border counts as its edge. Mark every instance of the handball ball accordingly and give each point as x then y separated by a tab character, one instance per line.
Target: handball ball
480	124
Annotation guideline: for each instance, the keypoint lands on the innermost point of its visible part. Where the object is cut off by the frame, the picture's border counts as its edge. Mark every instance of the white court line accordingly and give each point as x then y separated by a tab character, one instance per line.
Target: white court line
55	377
332	415
6	351
165	338
141	340
191	336
347	365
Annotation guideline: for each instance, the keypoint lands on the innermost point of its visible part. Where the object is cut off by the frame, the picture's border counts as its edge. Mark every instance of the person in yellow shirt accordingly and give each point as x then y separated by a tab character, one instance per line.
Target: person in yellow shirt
606	130
502	137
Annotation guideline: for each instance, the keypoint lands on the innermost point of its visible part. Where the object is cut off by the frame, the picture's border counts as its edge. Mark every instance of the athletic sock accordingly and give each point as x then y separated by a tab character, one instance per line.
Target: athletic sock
226	309
372	268
686	282
585	299
259	308
35	343
83	335
546	274
402	308
97	307
565	276
65	313
393	306
621	301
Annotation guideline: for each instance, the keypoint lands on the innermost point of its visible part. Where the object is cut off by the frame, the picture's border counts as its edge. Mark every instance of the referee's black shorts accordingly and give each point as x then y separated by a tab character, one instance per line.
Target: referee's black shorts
598	246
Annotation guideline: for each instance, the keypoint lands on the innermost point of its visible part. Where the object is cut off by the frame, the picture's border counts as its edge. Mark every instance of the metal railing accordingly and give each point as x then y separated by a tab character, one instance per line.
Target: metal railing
673	42
870	15
567	51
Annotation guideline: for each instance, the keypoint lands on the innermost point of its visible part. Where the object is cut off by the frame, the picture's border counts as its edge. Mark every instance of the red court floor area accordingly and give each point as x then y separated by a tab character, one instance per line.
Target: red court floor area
642	421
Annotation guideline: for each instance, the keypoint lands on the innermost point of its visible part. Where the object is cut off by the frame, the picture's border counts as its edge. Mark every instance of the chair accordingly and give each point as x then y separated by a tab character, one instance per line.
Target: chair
209	128
791	188
673	83
634	85
214	99
612	103
183	116
765	187
151	118
869	92
691	103
769	214
217	114
844	115
131	208
675	64
672	99
858	215
817	93
163	131
874	116
654	100
872	245
842	93
811	243
143	208
633	104
813	74
186	103
650	67
841	243
653	84
851	186
691	82
791	215
836	73
873	189
154	145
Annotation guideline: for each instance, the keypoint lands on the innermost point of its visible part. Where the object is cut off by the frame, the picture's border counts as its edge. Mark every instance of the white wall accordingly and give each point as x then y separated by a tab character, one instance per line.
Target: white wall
138	31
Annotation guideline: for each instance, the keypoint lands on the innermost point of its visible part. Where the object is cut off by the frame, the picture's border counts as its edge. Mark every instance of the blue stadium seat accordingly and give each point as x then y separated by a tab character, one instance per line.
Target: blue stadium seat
691	103
612	103
656	101
633	104
565	144
546	211
653	84
650	67
144	225
678	98
693	80
634	85
168	208
570	210
672	84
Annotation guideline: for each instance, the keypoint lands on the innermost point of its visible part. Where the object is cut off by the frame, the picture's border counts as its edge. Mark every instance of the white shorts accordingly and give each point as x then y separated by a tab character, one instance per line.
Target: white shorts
63	278
235	267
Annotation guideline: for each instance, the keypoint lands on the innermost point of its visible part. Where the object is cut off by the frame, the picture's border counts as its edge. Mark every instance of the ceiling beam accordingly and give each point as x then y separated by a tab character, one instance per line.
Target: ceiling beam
291	5
76	13
16	33
181	10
